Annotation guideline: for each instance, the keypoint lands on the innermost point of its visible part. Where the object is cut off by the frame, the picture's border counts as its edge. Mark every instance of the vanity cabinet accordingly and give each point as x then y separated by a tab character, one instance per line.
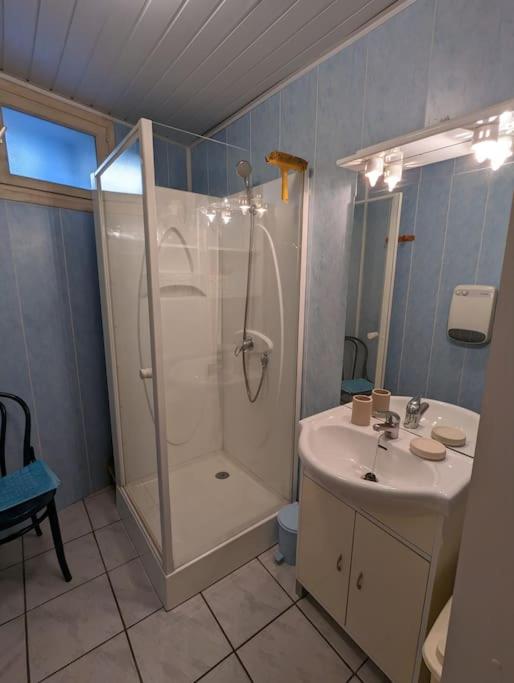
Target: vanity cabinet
325	547
388	584
378	582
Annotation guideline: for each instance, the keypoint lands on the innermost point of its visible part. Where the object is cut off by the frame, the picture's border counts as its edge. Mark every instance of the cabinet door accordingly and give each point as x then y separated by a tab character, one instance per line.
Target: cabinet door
385	602
325	547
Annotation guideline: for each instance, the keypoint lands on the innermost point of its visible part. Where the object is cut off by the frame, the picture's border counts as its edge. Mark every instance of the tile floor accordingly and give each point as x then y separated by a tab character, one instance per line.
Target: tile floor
107	624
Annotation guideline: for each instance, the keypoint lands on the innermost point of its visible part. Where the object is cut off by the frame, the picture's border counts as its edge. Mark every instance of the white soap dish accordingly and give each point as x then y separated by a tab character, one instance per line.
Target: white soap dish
449	436
429	449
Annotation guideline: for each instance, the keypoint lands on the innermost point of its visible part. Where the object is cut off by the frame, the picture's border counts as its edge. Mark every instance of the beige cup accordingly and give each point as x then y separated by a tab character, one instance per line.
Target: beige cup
361	410
381	399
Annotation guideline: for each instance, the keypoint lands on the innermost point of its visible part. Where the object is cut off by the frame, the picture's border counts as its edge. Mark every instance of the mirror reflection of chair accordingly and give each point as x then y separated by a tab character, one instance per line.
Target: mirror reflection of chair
358	383
27	494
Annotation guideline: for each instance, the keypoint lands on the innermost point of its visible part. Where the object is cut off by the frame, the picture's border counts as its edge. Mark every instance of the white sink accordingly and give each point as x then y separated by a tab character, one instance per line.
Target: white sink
441	413
337	454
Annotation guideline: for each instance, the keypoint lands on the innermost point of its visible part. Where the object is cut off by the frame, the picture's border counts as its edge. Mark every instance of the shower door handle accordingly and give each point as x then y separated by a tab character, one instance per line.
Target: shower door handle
145	373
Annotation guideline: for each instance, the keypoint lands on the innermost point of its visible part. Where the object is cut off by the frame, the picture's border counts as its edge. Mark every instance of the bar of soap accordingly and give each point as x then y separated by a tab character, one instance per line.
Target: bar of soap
429	449
450	436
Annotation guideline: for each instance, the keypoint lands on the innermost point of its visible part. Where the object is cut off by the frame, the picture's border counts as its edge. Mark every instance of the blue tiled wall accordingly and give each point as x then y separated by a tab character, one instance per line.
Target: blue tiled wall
460	222
432	60
52	346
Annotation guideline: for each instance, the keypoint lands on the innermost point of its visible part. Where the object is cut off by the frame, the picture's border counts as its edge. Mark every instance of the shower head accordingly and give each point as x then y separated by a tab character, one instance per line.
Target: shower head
244	170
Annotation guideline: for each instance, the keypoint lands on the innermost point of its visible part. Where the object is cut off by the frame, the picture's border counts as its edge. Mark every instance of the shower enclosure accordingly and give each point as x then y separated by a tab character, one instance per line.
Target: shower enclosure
202	300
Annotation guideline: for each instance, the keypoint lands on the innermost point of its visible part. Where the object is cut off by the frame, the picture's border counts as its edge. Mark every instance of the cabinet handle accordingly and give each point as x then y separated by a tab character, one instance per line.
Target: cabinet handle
359	581
339	563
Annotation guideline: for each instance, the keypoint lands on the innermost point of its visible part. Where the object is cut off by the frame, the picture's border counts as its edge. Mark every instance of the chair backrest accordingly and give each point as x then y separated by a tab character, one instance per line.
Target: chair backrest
360	358
3	429
28	451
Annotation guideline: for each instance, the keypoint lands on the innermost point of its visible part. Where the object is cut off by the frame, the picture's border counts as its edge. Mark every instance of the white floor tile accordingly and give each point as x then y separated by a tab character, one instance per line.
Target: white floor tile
43	577
340	641
102	508
284	573
111	662
73	521
245	601
229	671
115	545
134	592
11	593
13	661
67	627
180	645
290	649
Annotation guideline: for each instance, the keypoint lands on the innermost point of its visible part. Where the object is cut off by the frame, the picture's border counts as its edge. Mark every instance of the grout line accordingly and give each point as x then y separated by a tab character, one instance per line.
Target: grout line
22	326
364	91
430	54
407	293
206	673
312	623
295	599
75	352
84	654
440	280
282	612
116	601
27	654
227	638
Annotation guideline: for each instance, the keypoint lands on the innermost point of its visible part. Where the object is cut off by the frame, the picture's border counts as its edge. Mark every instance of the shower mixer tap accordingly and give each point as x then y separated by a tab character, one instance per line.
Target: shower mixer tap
246	345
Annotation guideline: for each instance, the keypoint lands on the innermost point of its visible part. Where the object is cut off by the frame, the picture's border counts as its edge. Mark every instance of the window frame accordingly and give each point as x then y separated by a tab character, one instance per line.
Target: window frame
35	103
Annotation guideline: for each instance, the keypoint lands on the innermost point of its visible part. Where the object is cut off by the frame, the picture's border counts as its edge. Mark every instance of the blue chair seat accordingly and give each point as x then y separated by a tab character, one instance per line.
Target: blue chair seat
356	386
26	484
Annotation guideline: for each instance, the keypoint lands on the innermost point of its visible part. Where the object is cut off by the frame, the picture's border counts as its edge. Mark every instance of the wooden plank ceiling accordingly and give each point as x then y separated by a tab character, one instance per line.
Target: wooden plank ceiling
188	63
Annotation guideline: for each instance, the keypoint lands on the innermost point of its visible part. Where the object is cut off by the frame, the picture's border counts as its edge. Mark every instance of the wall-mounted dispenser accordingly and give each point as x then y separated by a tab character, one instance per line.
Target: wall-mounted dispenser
471	313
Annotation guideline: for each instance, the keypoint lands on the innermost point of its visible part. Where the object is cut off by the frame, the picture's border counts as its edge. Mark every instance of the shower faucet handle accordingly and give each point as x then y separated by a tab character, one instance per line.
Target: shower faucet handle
246	345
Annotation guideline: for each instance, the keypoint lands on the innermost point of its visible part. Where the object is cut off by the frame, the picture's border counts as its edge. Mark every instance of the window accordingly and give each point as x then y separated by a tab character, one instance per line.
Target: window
50	147
48	151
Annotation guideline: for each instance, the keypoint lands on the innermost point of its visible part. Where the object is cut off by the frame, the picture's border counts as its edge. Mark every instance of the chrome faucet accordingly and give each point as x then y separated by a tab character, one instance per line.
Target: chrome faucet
414	411
390	428
246	345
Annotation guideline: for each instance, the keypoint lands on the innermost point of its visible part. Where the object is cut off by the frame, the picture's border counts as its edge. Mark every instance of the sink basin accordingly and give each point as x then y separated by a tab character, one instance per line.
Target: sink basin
337	454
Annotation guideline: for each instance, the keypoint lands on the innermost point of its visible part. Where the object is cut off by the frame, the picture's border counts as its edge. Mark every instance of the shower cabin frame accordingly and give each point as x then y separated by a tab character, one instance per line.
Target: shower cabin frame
174	585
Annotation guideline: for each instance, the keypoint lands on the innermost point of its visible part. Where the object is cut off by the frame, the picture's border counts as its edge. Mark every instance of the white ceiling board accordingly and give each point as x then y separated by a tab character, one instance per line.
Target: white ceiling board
192	18
145	36
200	49
265	14
53	24
287	54
190	63
86	26
290	22
115	35
20	19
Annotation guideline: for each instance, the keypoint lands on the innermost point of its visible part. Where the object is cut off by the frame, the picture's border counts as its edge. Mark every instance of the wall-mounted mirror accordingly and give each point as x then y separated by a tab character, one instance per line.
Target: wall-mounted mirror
374	236
447	220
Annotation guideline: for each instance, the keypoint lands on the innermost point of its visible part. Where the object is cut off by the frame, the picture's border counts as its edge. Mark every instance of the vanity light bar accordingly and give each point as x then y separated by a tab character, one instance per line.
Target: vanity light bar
445	140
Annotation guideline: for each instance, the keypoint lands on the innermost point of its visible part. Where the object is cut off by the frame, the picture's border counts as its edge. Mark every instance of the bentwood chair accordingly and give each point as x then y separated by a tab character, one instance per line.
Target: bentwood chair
27	494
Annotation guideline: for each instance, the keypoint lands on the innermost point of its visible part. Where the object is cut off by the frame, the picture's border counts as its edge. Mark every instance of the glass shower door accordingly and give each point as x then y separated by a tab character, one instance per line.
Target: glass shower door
126	204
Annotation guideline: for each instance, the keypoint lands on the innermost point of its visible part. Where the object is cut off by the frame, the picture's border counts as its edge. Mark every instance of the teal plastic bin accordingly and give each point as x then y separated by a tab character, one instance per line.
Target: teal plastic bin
287	519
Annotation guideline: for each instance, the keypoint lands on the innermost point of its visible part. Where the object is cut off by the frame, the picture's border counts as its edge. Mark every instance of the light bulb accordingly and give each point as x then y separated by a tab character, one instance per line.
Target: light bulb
485	138
244	206
374	169
501	152
261	210
226	217
393	175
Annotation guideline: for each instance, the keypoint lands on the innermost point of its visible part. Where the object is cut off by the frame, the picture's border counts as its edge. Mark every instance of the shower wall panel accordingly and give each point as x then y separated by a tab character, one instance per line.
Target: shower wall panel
190	314
260	436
